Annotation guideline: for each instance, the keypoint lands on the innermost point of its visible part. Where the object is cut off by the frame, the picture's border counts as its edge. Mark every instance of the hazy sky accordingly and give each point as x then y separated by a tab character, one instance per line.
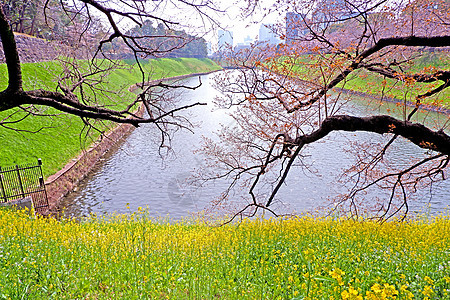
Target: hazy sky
249	26
243	29
231	20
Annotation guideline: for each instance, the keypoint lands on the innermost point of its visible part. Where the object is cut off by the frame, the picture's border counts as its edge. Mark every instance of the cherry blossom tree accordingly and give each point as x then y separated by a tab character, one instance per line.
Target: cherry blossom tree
288	97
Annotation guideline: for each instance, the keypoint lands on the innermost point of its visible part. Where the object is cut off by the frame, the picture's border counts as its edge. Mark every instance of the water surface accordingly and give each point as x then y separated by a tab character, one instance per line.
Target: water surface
133	173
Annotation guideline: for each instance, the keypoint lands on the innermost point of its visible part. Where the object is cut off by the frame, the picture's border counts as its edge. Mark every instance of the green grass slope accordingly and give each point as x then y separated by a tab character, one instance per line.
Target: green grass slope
374	84
308	67
61	137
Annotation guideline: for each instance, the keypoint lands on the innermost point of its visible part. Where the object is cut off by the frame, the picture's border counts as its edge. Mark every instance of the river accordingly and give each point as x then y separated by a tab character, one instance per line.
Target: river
133	174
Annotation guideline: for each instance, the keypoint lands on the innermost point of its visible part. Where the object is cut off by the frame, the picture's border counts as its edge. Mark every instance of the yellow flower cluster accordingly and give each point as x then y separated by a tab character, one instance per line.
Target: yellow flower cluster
385	291
133	256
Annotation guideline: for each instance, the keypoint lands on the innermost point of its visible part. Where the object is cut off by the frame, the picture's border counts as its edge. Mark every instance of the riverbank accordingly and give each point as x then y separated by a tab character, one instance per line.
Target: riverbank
65	180
423	106
58	138
132	256
399	91
371	85
61	140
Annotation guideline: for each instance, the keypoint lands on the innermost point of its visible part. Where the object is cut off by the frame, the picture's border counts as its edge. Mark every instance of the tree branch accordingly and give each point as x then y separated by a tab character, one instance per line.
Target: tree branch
415	132
410	41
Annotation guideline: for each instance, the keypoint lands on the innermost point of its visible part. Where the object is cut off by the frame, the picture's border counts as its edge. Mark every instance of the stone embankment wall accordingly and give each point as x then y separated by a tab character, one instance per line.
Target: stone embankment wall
32	49
65	180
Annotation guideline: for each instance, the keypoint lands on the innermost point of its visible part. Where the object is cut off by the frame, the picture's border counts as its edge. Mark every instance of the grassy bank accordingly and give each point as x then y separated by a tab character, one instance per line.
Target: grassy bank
311	66
59	138
136	258
377	85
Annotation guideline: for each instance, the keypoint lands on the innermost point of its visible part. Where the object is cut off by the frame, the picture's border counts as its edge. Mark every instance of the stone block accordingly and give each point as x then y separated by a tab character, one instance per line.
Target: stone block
26	202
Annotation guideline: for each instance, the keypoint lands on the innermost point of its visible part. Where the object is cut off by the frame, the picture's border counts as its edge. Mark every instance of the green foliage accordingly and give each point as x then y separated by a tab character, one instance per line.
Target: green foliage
179	43
134	257
62	137
27	16
22	14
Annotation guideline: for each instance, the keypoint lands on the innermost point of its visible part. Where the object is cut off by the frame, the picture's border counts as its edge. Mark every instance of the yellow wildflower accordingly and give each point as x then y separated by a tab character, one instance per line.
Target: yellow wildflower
351	294
429	280
428	291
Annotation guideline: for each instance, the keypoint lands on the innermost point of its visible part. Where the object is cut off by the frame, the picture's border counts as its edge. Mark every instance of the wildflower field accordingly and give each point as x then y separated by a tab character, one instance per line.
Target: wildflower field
134	257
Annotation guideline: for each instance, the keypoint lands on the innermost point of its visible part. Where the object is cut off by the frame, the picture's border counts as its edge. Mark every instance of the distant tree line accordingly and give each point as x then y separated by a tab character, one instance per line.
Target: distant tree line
27	16
54	21
166	42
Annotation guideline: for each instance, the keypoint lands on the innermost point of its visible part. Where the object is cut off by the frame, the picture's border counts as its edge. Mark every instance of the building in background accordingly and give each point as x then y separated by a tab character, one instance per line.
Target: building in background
327	13
294	28
267	34
332	11
225	40
248	40
209	48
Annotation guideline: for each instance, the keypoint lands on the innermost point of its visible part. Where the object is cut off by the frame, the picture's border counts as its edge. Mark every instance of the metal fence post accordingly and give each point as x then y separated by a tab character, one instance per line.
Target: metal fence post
24	181
42	182
20	181
2	186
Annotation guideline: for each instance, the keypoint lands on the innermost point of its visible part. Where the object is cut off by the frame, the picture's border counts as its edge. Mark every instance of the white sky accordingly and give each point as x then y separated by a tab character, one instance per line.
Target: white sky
232	20
249	26
177	10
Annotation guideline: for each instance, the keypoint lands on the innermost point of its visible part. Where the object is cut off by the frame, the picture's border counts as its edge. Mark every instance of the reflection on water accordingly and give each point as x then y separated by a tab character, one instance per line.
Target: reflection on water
133	174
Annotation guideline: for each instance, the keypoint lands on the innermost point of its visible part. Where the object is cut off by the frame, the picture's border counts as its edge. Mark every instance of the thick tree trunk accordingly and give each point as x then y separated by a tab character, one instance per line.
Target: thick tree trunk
11	54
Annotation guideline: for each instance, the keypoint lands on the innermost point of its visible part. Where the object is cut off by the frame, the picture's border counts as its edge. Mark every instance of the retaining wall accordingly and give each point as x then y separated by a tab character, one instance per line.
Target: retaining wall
32	49
66	179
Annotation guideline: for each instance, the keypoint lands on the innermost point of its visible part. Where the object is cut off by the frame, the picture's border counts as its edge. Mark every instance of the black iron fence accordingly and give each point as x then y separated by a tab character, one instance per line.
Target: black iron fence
22	182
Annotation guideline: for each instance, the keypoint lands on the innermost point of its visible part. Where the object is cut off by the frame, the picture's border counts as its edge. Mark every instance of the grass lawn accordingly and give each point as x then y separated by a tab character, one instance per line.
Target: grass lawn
61	137
133	257
309	66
